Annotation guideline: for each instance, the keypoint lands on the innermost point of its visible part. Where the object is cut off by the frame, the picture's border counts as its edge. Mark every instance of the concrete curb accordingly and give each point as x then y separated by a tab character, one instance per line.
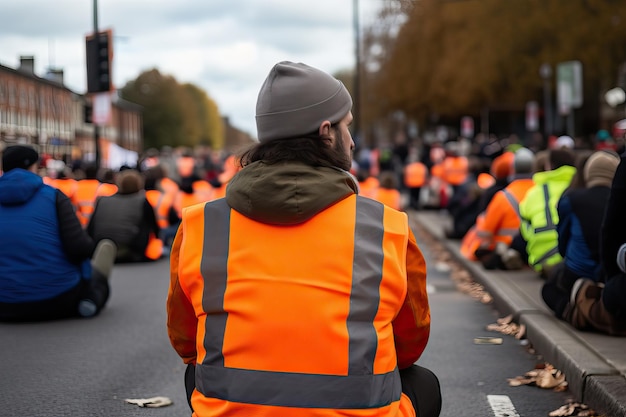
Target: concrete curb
592	377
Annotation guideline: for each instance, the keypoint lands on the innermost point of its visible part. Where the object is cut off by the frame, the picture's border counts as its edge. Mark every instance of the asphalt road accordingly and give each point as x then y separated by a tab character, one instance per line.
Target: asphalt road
89	367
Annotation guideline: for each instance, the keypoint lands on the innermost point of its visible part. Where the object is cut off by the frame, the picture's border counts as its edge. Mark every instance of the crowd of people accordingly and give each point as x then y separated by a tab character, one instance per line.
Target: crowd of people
554	211
244	232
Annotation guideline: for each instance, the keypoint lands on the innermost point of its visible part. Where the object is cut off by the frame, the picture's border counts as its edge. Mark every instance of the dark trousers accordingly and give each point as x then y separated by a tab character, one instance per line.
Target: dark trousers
558	287
419	384
414	198
62	306
614	296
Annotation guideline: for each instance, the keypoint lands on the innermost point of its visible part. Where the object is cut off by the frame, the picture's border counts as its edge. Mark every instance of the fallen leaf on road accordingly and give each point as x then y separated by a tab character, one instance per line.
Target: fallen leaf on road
574	409
153	402
543	376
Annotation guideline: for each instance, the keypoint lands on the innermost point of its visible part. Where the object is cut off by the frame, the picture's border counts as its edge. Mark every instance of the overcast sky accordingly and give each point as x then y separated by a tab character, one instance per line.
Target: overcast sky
226	47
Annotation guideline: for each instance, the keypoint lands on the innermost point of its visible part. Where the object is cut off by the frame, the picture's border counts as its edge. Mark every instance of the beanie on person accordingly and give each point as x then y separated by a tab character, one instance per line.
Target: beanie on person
295	99
600	169
524	161
18	156
564	142
502	166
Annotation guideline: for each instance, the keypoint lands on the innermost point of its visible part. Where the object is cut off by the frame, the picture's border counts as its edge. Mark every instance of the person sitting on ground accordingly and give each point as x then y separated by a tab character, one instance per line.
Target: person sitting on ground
496	228
538	213
464	205
49	267
501	169
581	212
294	250
128	219
601	306
388	193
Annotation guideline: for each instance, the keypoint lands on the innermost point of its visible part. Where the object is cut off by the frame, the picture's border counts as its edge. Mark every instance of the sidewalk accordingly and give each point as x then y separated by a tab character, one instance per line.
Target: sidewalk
594	364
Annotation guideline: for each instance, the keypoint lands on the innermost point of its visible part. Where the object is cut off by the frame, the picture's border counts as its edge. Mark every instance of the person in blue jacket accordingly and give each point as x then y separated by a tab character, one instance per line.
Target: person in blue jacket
46	265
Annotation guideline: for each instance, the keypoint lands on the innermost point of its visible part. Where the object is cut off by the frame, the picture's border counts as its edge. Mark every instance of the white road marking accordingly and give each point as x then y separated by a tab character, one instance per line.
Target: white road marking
430	289
502	406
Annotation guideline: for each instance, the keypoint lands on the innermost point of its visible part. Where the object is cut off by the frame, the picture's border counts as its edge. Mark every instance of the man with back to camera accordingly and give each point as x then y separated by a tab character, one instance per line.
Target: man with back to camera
49	267
294	296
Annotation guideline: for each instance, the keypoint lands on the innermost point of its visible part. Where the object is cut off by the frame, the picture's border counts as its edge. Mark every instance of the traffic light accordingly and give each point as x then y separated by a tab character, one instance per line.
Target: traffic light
99	57
88	113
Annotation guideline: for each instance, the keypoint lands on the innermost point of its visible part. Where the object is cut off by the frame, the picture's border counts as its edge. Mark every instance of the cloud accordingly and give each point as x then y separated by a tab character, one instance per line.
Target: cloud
226	47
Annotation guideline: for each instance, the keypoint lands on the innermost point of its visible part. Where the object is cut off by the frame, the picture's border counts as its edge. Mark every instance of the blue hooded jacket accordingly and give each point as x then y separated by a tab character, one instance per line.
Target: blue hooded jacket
33	265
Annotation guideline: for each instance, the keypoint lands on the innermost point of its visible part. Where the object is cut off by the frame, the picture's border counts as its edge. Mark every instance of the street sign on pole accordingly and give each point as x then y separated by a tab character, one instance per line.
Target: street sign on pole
569	86
467	127
532	116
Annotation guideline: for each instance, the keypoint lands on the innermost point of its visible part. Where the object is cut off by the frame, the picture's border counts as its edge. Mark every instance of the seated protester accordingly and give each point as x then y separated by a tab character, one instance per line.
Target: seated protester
127	218
538	213
161	200
49	267
388	192
464	204
500	222
501	169
581	211
601	306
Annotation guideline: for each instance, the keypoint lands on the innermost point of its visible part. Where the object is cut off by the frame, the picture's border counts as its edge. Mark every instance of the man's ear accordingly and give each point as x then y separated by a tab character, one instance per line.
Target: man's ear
324	129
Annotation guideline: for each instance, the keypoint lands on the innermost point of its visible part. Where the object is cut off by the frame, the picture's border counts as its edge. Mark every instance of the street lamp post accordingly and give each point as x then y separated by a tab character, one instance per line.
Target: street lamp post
96	127
545	71
357	73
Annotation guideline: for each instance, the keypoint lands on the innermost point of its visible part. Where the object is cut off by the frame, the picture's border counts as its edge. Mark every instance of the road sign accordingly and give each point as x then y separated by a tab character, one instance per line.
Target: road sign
569	86
532	116
467	127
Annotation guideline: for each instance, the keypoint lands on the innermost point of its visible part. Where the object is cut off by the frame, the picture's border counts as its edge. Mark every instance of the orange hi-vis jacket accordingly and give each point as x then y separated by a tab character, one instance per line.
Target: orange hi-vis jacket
415	175
368	187
161	202
501	220
184	200
274	332
455	169
67	186
85	197
389	197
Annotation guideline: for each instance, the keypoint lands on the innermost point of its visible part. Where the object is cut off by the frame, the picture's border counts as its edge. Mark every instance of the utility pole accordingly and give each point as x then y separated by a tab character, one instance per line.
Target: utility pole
356	121
96	127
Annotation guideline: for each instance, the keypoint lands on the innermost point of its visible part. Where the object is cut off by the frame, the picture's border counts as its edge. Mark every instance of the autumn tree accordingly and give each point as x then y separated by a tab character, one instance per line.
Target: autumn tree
174	114
455	57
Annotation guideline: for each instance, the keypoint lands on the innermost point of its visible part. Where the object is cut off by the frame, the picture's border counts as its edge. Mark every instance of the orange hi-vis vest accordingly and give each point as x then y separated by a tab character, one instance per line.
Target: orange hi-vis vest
368	187
85	197
184	200
67	186
161	202
501	220
455	169
415	175
389	197
248	294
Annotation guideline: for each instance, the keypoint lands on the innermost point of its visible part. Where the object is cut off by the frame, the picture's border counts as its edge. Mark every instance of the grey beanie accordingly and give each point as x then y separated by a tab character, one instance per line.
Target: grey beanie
296	98
600	168
524	161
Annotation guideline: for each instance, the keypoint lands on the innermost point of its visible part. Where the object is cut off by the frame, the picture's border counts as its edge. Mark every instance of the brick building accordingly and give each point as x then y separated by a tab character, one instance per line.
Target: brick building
44	112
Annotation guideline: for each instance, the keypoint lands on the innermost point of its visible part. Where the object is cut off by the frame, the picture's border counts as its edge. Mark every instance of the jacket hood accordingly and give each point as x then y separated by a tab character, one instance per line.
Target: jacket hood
562	174
18	186
287	193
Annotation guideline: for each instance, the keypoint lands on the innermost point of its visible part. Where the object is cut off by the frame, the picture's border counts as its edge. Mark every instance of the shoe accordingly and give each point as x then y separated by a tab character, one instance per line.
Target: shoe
87	308
103	258
576	288
621	258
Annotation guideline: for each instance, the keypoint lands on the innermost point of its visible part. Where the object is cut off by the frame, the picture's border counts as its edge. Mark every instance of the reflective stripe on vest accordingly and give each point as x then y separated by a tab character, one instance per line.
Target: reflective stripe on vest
550	225
359	389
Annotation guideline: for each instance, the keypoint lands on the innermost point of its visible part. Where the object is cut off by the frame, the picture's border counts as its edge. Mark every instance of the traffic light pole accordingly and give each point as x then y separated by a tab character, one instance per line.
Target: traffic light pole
96	127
